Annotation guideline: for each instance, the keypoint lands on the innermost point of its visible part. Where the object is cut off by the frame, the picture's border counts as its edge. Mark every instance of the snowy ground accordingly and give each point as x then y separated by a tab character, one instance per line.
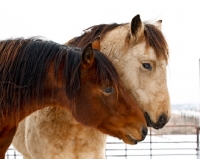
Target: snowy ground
162	147
172	146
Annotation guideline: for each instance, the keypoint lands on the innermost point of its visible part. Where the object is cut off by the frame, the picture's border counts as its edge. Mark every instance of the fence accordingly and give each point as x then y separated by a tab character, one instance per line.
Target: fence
155	146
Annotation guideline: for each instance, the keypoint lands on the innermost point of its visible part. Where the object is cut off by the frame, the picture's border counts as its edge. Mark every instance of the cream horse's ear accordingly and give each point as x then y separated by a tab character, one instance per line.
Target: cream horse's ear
96	43
137	27
158	24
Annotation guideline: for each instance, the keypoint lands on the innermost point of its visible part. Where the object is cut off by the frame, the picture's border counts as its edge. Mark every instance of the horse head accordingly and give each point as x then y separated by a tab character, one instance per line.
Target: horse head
102	102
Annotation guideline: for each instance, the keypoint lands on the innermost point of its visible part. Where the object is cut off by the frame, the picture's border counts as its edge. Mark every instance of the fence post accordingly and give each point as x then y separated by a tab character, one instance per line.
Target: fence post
197	149
150	144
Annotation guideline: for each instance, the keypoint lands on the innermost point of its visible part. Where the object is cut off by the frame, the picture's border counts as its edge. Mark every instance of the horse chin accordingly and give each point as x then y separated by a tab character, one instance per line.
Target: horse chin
129	140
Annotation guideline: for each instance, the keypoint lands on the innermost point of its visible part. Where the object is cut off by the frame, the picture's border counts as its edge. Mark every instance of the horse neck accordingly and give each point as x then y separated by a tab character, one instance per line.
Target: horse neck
56	98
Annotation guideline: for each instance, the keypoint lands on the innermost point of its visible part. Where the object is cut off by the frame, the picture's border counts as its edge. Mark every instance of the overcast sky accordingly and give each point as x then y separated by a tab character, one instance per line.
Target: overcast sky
61	20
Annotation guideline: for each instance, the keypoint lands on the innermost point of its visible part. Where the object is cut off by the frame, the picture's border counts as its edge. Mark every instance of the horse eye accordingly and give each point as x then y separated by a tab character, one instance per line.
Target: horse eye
108	90
147	66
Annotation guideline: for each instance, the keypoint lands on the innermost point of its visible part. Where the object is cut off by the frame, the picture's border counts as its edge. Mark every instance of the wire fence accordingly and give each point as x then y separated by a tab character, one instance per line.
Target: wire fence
155	146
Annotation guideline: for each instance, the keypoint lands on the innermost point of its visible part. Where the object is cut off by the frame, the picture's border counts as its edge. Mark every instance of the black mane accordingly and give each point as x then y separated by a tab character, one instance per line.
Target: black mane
24	64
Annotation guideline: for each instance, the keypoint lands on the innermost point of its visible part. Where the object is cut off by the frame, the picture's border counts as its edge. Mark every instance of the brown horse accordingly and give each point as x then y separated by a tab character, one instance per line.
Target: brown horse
35	74
140	53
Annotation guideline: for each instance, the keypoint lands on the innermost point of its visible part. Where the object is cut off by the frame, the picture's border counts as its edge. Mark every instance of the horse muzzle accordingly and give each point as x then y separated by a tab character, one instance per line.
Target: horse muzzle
130	139
162	120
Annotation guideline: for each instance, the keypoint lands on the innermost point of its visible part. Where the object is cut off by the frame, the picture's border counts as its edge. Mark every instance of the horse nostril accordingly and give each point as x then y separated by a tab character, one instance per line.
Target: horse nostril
162	120
144	132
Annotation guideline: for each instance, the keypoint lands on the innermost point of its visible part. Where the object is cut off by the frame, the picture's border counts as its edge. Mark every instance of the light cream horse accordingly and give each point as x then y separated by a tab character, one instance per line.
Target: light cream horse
140	53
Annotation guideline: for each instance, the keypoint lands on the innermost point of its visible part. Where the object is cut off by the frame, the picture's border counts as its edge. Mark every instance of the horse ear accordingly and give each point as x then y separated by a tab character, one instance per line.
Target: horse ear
137	27
158	24
88	56
96	43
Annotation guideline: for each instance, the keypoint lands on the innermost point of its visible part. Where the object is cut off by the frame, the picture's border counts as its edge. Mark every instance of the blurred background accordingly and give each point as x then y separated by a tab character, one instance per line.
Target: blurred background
61	20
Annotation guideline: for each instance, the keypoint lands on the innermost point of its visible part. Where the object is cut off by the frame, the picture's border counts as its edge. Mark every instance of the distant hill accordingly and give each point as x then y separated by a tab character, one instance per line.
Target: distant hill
188	106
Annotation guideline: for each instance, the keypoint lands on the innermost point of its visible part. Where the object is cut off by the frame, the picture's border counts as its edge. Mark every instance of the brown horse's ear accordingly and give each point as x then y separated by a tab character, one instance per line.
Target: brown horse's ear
137	27
96	43
88	56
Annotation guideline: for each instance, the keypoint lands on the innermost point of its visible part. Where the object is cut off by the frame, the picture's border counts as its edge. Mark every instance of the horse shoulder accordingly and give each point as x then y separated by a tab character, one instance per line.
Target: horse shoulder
61	136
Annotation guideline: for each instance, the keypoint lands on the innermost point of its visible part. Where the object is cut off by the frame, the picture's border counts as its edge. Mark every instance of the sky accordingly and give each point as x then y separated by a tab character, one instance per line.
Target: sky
61	20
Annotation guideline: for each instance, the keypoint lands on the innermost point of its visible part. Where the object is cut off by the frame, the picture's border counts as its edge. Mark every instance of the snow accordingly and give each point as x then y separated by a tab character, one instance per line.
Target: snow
165	147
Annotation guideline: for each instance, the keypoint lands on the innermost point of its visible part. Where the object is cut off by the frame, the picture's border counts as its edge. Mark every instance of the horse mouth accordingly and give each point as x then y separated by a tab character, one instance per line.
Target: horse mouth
148	120
131	140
